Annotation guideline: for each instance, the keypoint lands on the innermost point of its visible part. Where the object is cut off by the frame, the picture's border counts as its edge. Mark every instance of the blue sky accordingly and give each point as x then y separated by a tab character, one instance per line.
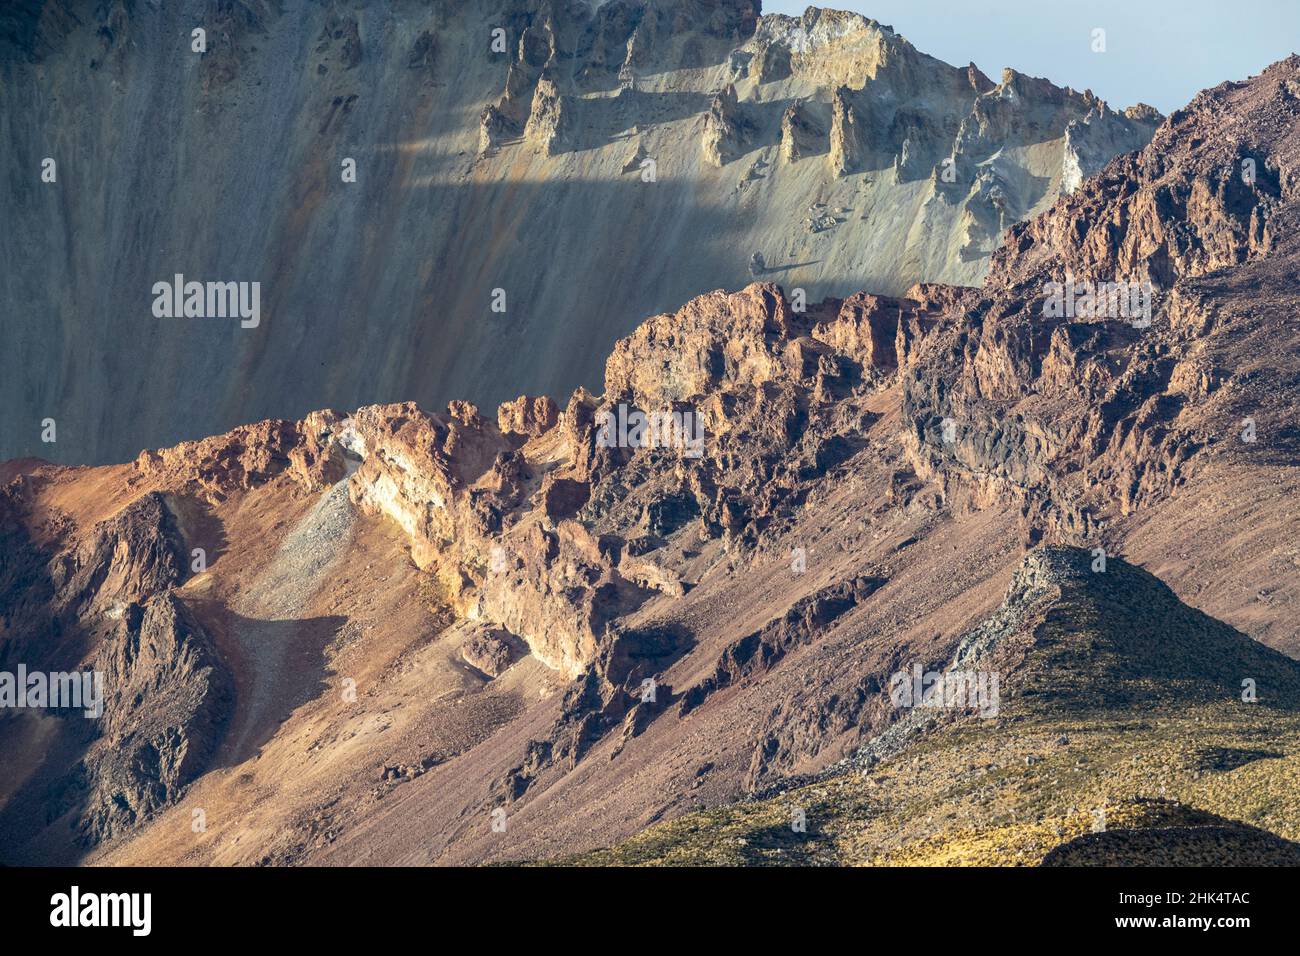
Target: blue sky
1157	51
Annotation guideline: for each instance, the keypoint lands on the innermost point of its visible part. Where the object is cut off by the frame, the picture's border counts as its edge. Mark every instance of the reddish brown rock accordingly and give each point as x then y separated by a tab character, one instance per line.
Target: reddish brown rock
562	497
492	651
528	416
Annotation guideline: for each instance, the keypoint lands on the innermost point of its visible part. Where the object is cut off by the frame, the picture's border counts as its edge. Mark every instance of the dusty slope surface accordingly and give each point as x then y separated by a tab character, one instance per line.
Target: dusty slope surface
818	143
521	636
1122	736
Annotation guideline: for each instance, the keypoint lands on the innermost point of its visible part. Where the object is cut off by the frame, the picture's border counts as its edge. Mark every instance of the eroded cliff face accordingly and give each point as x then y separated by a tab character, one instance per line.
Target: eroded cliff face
99	609
1073	421
517	160
1098	413
591	623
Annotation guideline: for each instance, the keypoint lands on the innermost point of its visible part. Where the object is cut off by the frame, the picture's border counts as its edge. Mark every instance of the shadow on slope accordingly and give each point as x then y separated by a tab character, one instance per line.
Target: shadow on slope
1123	712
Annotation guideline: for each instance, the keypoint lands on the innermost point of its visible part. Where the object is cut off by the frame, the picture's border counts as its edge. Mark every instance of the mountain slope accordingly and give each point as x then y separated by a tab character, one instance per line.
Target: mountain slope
1122	738
434	623
817	143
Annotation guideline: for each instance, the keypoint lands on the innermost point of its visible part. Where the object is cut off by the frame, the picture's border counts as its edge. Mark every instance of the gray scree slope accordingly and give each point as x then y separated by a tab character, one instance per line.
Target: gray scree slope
817	142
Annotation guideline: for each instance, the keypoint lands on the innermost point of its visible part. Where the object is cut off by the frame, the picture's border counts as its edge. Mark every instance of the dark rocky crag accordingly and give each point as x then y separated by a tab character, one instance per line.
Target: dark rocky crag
105	604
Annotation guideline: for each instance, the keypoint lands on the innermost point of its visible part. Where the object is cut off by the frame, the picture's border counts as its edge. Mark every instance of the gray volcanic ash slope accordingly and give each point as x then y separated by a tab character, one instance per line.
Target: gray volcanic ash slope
819	143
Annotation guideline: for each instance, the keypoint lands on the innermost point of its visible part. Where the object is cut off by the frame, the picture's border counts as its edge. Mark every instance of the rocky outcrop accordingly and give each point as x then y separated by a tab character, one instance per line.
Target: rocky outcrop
726	130
213	468
128	558
341	36
103	608
529	417
168	699
848	145
1183	206
866	329
424	54
617	690
492	651
549	120
1091	142
454	484
1036	410
801	136
1085	637
544	525
765	648
773	63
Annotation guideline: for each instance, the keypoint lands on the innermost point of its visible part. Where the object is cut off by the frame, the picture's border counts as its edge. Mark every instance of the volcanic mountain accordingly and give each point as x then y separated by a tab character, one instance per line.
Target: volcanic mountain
401	636
466	200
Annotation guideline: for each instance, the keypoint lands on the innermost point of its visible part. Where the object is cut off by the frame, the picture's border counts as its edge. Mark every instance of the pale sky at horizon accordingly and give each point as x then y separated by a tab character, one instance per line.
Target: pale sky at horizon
1159	52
